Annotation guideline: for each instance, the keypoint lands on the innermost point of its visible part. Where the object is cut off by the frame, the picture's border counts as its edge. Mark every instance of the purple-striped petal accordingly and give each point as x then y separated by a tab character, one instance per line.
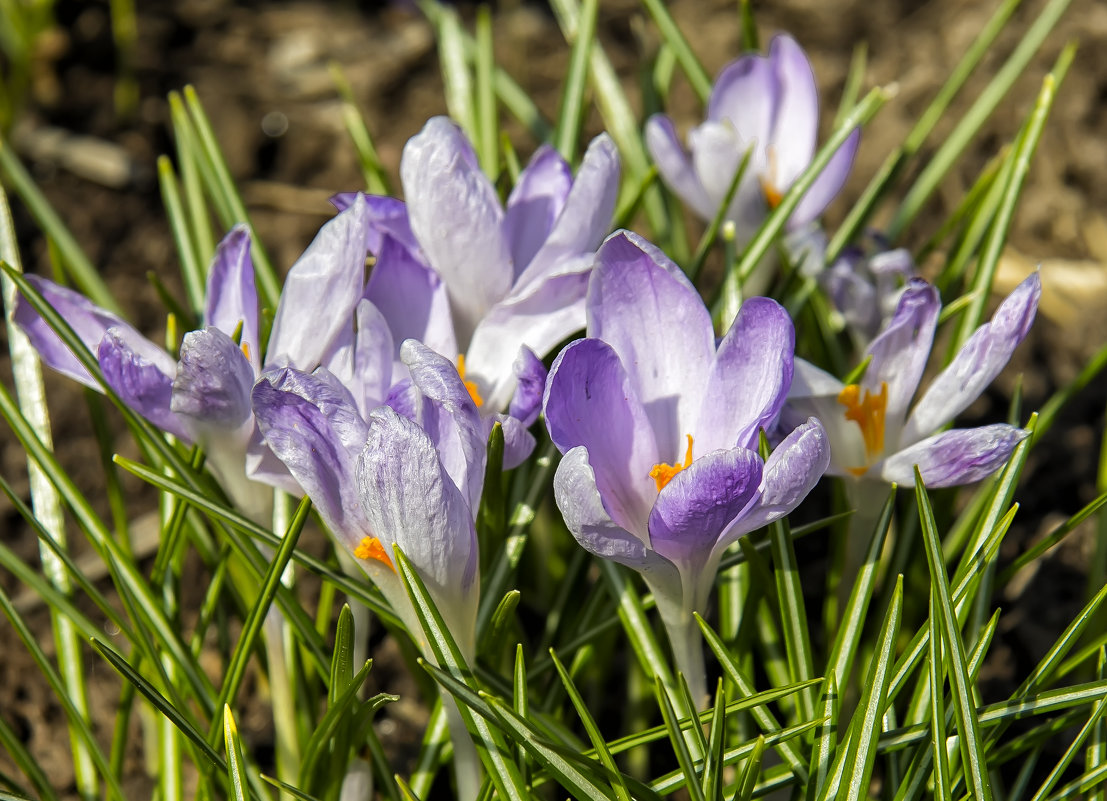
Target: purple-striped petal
956	457
530	383
535	203
590	402
320	292
311	424
796	114
213	382
978	362
675	166
828	184
232	297
518	442
361	357
700	503
749	379
659	326
456	216
141	374
387	217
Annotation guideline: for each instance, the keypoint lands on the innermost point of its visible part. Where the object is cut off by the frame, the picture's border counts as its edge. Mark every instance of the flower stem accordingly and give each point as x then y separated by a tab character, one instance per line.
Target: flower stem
467	769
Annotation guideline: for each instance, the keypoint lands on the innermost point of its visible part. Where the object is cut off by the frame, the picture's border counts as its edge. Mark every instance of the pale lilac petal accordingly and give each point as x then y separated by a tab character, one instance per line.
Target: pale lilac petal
675	166
584	221
717	153
956	457
796	115
232	297
590	402
747	92
387	217
412	298
900	352
456	216
320	292
791	472
88	321
978	362
700	503
583	510
853	296
449	416
530	383
312	425
141	374
828	184
535	203
262	465
361	357
518	442
539	321
404	399
749	379
809	381
410	501
662	331
213	382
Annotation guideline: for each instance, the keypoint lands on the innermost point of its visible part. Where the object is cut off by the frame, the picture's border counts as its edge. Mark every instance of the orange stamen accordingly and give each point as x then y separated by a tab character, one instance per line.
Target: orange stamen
663	473
474	393
371	548
868	413
246	350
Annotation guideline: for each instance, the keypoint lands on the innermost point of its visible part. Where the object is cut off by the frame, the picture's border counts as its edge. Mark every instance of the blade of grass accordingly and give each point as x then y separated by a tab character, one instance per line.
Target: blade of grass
192	271
679	743
697	76
826	738
571	112
235	763
748	783
717	222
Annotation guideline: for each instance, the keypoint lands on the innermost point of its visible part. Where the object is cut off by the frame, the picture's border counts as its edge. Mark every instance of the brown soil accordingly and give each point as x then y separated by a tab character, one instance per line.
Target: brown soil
262	67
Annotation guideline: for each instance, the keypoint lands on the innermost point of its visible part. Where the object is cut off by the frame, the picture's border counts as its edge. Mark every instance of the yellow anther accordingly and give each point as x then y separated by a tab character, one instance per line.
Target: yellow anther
474	393
663	473
246	350
868	413
371	548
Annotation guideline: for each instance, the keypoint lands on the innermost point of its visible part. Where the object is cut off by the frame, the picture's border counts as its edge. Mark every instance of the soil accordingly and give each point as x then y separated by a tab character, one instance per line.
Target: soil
261	69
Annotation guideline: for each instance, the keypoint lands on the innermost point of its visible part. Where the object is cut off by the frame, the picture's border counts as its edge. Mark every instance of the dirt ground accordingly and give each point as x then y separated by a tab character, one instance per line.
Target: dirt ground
261	70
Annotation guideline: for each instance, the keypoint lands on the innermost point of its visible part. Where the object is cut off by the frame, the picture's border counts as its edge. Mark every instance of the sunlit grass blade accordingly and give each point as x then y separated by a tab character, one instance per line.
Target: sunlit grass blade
716	740
826	737
572	109
793	614
484	77
697	76
1053	538
456	77
192	271
938	709
1070	753
716	224
855	76
235	763
751	771
1096	755
196	172
435	737
376	178
1052	407
285	787
680	745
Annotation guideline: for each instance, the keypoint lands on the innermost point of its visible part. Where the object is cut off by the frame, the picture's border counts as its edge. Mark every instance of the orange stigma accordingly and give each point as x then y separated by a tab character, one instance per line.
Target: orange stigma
663	473
773	196
246	350
474	393
371	548
868	413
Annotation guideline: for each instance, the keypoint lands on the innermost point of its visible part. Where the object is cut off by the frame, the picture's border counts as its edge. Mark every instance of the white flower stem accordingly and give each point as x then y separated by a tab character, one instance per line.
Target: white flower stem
467	768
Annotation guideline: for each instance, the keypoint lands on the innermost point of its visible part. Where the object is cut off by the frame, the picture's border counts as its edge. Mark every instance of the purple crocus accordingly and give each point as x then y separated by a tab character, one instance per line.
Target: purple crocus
506	283
769	104
659	429
874	431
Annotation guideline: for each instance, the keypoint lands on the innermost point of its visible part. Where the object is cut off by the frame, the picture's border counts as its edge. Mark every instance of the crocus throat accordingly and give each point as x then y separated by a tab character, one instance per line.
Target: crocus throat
773	196
868	413
371	548
474	393
663	473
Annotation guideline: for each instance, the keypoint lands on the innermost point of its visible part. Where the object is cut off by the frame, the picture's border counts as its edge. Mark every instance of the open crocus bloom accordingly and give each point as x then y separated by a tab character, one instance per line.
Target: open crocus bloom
496	277
872	433
767	103
659	427
411	479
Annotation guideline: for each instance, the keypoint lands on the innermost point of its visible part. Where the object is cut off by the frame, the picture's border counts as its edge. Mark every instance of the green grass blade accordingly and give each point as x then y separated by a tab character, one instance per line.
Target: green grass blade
748	783
372	171
1070	753
456	78
826	737
193	273
680	745
196	172
716	740
338	710
797	639
697	75
717	222
938	709
571	112
235	763
1096	756
484	75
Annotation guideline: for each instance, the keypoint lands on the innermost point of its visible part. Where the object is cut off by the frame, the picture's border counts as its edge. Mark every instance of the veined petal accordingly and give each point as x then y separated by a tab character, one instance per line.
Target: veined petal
387	217
590	402
213	383
978	362
701	502
450	418
796	114
900	352
232	297
530	378
956	457
311	424
87	320
456	216
320	292
411	501
141	374
828	183
518	442
675	166
535	203
749	378
661	330
361	357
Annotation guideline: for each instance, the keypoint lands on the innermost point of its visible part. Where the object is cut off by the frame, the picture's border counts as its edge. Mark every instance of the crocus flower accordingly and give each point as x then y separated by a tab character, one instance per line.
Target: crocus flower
509	276
769	104
659	429
874	431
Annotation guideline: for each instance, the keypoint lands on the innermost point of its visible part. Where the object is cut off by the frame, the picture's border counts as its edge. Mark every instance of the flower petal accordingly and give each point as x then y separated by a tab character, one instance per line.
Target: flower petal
675	166
361	357
828	183
232	297
701	502
747	92
978	362
311	423
657	323
320	292
141	374
717	152
530	378
213	382
387	217
457	218
518	442
535	203
749	379
796	115
589	401
956	457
